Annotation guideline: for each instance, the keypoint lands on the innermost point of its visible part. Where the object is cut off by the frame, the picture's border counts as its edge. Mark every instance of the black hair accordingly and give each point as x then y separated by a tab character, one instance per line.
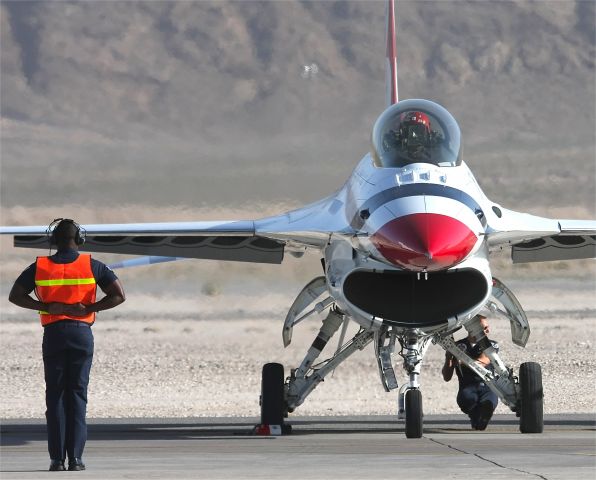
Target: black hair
62	230
65	231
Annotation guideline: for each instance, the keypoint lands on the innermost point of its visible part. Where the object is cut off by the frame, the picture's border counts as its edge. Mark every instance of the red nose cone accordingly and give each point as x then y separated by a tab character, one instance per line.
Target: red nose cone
424	241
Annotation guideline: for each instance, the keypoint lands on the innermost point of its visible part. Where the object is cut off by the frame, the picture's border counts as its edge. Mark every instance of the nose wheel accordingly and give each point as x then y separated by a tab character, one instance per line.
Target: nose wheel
413	404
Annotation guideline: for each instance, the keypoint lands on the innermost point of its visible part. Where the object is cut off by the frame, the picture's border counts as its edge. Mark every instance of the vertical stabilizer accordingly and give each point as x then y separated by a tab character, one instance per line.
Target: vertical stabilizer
391	60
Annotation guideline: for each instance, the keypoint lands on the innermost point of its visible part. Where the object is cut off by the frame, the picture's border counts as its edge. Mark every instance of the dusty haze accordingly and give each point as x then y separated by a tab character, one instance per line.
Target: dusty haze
208	103
156	111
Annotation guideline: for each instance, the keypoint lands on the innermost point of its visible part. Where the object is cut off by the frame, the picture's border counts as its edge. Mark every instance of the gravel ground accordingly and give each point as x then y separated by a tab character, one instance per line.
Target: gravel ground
188	367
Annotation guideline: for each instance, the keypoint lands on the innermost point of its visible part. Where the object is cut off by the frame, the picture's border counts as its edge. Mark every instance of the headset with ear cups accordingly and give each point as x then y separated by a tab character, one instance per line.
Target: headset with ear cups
79	236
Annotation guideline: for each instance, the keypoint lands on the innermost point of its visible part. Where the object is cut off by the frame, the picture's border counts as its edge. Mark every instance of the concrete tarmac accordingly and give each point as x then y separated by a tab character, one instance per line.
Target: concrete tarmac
371	447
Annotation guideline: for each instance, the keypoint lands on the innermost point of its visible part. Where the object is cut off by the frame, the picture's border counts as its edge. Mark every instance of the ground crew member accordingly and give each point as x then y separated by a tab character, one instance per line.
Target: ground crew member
474	397
65	284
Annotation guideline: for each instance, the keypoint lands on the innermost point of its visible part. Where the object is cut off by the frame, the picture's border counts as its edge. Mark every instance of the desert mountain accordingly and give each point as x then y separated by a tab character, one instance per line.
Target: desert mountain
199	103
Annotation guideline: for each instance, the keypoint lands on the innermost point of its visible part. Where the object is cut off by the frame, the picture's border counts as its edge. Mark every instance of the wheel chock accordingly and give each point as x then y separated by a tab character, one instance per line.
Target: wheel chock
267	430
272	430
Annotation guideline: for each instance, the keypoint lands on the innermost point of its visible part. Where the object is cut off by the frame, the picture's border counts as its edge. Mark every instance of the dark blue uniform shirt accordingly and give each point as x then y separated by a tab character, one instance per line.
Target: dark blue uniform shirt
104	276
464	374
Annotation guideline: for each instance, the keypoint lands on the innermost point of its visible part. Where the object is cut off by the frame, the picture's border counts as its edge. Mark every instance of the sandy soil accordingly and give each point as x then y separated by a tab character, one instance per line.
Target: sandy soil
168	356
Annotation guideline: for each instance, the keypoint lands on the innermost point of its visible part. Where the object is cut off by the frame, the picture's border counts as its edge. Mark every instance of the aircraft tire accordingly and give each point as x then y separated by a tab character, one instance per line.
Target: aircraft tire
413	413
532	398
272	394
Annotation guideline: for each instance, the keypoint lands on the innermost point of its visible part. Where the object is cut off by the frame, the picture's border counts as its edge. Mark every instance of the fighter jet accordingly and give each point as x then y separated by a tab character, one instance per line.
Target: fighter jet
405	245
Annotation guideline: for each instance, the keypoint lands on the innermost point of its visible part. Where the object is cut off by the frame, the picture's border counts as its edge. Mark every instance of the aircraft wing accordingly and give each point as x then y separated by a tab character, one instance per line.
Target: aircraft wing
260	241
539	239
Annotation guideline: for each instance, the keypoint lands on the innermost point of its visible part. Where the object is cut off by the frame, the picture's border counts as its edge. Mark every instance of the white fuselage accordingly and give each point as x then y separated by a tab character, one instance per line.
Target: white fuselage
420	241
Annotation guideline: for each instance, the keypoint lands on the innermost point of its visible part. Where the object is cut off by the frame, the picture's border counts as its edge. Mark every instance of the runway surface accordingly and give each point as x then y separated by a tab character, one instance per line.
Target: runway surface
318	448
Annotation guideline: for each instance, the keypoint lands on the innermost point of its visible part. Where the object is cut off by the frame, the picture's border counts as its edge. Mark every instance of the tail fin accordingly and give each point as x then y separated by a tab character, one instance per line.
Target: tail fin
391	61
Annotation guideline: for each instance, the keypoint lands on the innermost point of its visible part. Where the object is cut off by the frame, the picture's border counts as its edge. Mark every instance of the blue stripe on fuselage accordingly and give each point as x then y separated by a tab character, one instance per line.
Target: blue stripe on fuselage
412	190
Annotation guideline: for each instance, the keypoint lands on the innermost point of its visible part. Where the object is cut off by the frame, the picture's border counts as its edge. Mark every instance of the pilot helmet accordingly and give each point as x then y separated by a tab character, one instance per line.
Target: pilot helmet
415	134
416	131
415	118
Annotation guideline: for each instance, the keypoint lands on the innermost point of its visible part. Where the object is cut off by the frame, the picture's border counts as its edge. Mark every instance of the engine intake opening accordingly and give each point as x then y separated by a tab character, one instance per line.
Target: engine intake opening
401	299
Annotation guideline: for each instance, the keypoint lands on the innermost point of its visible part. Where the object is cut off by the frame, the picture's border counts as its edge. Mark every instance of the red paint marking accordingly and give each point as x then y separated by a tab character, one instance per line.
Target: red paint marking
391	50
424	241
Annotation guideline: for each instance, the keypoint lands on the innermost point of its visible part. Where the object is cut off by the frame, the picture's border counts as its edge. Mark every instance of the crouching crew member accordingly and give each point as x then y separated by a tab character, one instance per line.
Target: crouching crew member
474	397
65	285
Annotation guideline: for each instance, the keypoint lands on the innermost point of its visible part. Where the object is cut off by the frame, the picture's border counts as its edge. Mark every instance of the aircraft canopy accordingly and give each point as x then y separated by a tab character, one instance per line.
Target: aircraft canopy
416	131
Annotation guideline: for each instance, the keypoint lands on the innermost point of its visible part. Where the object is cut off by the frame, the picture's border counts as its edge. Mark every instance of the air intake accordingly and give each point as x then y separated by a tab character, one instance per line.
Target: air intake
401	299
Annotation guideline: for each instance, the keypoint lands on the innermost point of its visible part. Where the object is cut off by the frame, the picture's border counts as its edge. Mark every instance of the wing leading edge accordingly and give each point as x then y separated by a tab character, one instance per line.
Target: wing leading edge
539	239
230	240
259	241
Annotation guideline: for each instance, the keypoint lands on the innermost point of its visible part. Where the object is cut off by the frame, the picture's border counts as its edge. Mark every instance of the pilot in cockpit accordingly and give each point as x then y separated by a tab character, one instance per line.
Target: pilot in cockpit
416	131
414	135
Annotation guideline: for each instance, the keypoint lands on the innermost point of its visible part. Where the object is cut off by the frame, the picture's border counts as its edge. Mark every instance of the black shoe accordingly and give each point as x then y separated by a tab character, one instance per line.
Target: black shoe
474	415
57	466
75	464
484	415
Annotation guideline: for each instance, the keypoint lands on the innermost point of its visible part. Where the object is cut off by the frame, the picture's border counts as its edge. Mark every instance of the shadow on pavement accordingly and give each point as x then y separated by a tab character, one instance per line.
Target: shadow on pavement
12	434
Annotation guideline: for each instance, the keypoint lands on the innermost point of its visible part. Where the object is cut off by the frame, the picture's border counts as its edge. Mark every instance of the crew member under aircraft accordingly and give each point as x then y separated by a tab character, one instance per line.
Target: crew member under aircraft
474	397
65	284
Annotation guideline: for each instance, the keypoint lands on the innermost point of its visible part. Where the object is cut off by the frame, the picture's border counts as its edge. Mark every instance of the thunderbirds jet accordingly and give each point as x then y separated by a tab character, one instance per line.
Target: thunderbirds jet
405	247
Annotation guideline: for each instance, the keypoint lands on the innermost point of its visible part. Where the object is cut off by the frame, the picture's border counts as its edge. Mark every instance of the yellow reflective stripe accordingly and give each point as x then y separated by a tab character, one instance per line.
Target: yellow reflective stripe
65	281
43	313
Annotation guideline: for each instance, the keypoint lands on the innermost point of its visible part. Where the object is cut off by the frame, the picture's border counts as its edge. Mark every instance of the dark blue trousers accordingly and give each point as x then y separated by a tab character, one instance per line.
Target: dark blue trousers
472	395
67	356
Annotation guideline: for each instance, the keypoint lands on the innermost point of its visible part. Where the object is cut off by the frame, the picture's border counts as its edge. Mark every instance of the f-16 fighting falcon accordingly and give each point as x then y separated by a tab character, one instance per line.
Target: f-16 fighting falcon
405	246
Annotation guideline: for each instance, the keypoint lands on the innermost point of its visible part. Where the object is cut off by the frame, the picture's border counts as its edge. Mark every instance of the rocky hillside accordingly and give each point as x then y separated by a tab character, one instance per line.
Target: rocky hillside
199	103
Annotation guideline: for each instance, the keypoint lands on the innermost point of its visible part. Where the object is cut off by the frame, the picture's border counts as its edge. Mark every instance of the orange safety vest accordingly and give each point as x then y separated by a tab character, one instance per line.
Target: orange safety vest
65	283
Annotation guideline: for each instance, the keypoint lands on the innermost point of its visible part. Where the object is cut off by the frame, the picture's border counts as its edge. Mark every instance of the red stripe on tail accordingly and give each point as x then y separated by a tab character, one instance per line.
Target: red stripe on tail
391	73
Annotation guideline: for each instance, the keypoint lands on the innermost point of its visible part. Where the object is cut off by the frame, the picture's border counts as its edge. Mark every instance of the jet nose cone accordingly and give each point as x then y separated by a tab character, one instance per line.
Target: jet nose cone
424	241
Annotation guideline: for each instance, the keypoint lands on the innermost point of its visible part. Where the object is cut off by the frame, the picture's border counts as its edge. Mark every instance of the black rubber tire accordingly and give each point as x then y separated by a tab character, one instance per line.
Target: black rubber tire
272	394
531	418
413	413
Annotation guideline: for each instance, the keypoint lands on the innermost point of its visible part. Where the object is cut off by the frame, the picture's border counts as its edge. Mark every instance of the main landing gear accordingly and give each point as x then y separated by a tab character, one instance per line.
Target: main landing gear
303	380
523	394
531	398
273	402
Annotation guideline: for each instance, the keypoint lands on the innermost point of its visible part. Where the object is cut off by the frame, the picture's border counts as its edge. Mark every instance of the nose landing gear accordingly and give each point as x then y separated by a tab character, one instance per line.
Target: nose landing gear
413	413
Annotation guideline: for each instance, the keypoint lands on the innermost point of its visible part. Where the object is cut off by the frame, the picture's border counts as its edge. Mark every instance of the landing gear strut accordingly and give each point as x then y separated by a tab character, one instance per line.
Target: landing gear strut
413	349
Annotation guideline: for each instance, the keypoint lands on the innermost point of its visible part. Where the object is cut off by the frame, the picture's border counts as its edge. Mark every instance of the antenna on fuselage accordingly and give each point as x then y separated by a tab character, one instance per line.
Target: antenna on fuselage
391	60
